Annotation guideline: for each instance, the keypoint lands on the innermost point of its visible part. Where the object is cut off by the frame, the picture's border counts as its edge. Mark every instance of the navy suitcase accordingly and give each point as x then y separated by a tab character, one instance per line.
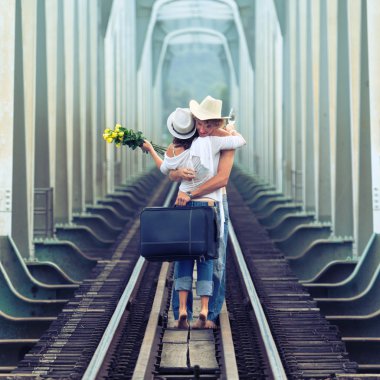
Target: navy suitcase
178	233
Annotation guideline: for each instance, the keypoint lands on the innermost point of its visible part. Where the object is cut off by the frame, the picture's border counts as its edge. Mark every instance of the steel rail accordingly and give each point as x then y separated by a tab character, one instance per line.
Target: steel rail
228	350
99	356
142	365
273	357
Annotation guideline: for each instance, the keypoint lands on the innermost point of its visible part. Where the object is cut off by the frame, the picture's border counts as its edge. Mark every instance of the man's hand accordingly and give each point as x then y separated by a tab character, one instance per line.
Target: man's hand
182	199
230	127
182	173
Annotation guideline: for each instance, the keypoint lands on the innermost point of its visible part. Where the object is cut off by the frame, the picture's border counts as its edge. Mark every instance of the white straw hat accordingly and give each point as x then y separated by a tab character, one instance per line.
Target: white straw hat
209	108
181	123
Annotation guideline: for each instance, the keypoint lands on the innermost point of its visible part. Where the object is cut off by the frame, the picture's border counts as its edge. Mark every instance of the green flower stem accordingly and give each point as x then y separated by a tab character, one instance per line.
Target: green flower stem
124	136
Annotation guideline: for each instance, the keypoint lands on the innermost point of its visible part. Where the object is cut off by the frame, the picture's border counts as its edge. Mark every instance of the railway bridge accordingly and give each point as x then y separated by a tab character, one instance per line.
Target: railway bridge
299	79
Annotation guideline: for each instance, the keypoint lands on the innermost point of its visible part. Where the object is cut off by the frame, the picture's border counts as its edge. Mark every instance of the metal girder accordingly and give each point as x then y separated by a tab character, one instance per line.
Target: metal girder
242	95
191	31
200	31
163	28
193	13
247	10
143	15
281	10
163	65
195	9
105	7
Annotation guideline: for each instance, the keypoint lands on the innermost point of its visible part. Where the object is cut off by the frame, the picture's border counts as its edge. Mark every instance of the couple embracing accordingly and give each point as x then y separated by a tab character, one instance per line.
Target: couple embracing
201	157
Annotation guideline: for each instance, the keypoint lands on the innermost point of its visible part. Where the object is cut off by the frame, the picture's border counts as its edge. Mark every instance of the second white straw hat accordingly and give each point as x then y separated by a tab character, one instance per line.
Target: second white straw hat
181	123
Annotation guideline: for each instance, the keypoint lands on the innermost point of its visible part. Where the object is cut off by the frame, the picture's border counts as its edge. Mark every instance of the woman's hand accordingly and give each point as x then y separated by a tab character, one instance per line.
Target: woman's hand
184	173
182	199
147	146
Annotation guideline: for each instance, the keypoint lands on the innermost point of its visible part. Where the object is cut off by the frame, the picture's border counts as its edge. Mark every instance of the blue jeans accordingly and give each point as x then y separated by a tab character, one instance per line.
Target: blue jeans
219	273
219	278
175	298
184	278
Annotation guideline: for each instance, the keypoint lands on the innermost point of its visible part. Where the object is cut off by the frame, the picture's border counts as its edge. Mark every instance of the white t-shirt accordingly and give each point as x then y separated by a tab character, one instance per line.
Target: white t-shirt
203	156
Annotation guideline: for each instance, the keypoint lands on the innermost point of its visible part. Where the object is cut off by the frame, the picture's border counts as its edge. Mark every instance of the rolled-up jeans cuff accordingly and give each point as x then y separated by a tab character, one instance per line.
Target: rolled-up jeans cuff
204	288
184	283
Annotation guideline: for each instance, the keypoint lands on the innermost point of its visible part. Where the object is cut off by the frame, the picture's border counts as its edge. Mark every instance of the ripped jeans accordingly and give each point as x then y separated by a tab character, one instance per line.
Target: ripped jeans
218	277
184	277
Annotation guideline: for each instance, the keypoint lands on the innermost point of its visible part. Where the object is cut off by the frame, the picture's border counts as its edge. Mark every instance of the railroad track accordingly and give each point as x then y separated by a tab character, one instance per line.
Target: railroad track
309	346
139	341
168	353
67	347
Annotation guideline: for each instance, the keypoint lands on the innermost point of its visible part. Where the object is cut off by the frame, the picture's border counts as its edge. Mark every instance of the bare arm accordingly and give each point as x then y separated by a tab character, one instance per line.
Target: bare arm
219	180
224	168
147	147
188	174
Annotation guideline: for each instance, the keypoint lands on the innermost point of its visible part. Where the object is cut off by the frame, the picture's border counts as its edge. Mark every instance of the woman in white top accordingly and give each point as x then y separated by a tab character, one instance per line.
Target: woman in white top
201	154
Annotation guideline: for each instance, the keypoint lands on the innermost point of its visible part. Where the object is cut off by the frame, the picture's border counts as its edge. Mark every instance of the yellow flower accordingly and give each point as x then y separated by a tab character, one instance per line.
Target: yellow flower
114	134
105	136
109	139
121	134
118	145
107	130
118	126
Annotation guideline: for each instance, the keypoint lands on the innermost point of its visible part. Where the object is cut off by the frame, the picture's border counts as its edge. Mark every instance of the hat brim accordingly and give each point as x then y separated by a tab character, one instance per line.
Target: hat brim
173	132
202	114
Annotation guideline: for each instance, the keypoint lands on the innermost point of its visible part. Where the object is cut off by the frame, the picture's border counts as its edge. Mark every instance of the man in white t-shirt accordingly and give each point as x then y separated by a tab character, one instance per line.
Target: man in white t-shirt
206	127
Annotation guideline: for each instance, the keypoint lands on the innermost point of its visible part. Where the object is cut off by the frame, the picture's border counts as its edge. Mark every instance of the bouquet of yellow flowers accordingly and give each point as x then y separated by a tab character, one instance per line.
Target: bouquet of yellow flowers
123	136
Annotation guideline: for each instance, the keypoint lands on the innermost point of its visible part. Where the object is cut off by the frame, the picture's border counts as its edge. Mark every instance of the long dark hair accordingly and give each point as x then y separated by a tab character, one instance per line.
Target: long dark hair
185	143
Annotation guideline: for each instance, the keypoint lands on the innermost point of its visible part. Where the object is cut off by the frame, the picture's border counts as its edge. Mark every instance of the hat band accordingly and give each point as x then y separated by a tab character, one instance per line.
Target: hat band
181	133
